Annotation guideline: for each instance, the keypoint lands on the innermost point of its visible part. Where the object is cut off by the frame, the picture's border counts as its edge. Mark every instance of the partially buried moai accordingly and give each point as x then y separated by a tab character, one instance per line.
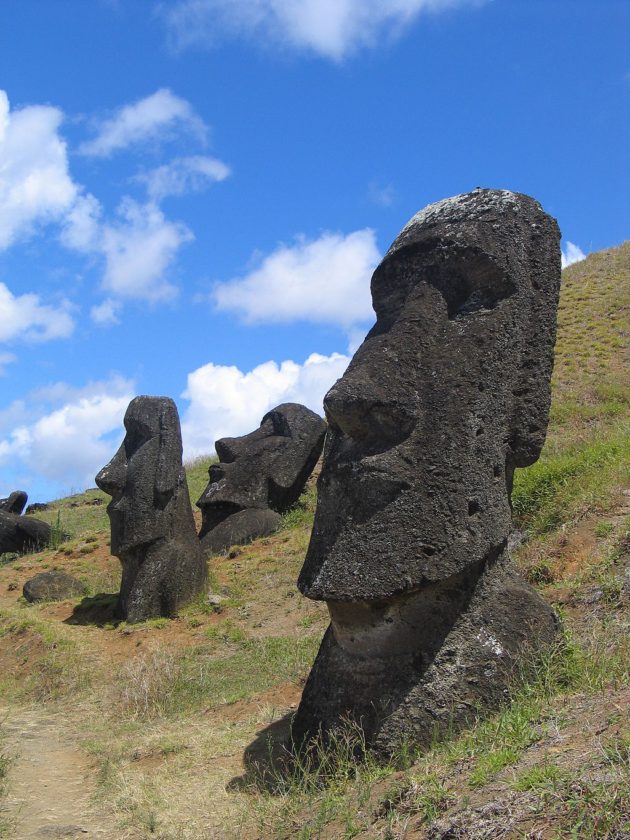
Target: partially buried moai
259	476
152	526
447	395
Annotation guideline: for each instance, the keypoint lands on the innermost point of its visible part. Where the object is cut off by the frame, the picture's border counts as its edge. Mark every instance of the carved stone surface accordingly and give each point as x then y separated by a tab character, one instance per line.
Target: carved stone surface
15	502
265	470
449	392
22	533
152	526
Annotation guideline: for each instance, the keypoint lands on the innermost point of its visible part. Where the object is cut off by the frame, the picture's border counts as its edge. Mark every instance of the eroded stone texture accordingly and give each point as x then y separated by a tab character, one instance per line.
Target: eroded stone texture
449	392
152	526
52	586
15	502
259	476
22	533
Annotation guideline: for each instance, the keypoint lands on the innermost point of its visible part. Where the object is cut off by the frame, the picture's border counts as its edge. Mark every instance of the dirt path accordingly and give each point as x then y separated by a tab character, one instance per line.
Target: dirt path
50	782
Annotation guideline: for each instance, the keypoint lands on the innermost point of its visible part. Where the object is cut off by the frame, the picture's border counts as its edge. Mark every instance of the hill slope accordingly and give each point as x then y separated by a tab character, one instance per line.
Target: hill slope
178	723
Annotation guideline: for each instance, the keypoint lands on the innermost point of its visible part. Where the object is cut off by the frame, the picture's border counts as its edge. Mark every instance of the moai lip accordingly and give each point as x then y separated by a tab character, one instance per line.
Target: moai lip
152	525
447	395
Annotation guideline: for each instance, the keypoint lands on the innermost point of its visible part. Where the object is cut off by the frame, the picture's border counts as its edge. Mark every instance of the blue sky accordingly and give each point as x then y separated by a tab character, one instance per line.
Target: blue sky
193	194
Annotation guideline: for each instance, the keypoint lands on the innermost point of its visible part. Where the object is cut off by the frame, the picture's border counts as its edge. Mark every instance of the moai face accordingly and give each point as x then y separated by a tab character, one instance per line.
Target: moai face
448	393
143	475
266	468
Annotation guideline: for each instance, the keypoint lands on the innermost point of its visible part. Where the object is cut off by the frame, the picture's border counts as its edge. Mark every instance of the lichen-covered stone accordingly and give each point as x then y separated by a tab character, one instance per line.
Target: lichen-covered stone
447	395
152	526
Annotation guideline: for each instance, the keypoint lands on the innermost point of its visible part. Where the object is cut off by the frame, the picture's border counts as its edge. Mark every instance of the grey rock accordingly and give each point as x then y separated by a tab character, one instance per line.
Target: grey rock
240	528
152	526
15	502
35	507
265	470
22	533
447	395
52	586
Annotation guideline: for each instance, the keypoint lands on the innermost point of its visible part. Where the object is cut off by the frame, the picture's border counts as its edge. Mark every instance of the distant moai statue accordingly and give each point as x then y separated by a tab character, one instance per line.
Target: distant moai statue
259	476
15	502
152	525
447	395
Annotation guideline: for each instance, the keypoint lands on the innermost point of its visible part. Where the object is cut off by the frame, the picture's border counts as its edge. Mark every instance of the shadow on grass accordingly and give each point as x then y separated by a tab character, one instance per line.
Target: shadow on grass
267	759
97	610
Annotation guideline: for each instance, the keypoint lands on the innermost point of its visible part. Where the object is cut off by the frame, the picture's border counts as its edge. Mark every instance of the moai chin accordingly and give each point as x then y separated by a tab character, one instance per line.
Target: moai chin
152	525
447	395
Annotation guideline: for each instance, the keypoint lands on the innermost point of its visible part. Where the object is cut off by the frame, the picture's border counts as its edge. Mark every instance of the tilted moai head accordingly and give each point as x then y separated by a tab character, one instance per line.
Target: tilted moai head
265	470
448	393
152	526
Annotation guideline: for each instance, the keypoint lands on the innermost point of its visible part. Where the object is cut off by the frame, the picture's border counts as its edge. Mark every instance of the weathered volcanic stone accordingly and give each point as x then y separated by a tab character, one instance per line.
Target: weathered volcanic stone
52	586
262	471
241	528
152	526
449	392
15	502
22	533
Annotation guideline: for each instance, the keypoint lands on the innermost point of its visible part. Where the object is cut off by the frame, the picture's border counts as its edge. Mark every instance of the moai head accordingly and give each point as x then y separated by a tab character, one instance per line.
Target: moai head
143	476
266	468
448	393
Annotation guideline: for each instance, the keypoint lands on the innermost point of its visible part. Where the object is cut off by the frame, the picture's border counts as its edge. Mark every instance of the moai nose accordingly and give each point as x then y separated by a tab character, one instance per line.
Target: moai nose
112	478
363	414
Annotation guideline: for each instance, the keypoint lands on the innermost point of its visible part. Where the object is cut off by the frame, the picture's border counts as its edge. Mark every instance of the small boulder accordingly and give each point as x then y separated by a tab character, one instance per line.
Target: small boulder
36	507
52	586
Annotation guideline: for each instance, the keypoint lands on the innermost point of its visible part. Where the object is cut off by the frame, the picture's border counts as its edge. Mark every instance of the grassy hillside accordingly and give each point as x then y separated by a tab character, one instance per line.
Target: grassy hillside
181	723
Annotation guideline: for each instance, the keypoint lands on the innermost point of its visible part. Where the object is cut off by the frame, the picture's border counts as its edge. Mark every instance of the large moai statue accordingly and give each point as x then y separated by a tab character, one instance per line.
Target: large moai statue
447	395
259	476
152	525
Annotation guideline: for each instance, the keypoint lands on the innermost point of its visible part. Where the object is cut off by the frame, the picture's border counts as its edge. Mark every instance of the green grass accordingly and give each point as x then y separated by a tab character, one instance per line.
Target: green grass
162	684
561	486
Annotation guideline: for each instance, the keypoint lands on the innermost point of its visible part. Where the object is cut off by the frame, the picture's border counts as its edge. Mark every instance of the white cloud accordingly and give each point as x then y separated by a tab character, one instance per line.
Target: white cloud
139	250
226	401
147	119
183	175
35	185
25	317
323	281
106	312
572	254
69	444
81	227
331	28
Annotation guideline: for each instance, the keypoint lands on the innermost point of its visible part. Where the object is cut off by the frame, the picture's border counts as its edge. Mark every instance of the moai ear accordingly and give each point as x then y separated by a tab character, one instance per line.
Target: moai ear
170	452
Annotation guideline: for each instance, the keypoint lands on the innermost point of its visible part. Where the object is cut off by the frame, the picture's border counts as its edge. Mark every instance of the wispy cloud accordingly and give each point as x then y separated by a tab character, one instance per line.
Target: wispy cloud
147	119
139	249
183	175
572	253
224	400
26	318
324	281
6	359
35	184
330	28
66	434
